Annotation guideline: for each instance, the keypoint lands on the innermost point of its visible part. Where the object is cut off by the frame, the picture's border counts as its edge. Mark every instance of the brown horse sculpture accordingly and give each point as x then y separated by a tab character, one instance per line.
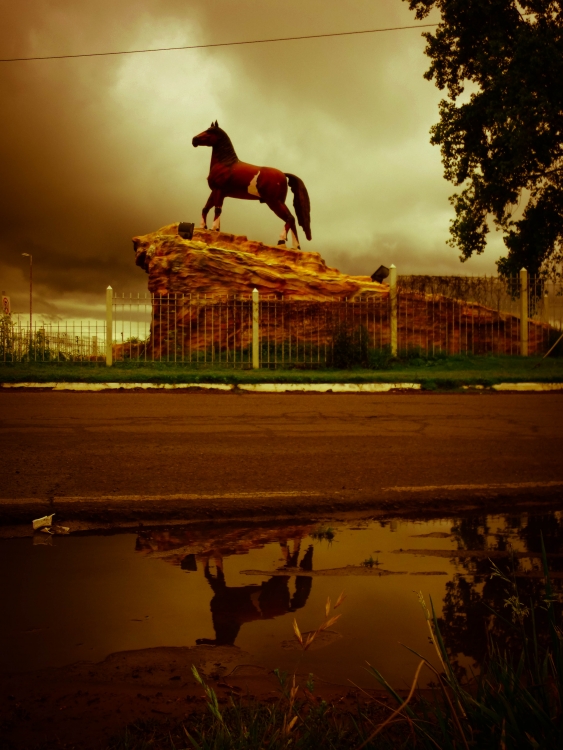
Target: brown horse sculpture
231	178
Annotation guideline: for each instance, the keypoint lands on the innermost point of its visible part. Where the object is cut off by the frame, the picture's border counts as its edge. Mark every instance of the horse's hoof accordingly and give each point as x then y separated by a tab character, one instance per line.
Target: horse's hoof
281	242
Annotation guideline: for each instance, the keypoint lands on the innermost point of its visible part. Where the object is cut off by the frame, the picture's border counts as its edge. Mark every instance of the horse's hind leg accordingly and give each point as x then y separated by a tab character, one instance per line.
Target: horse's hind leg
281	210
283	234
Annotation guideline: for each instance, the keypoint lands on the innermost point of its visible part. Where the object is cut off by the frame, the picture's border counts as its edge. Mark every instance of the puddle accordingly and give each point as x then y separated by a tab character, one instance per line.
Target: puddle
80	598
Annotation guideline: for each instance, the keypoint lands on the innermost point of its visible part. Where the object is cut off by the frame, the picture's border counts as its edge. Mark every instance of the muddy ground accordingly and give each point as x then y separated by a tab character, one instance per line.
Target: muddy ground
84	704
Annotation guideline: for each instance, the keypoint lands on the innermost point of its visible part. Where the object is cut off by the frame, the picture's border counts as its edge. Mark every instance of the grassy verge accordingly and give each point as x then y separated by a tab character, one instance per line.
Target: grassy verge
248	725
444	372
515	702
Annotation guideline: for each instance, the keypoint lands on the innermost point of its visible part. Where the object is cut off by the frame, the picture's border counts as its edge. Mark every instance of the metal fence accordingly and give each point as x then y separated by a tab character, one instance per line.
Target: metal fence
51	342
421	315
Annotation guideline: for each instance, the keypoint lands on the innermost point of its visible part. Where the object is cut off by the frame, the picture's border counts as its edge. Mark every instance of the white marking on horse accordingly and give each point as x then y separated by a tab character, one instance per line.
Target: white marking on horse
216	224
295	241
283	234
253	187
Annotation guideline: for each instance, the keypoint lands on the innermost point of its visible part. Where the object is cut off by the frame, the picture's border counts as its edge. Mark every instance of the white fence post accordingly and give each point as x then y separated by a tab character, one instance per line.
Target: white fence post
393	300
255	325
523	312
109	326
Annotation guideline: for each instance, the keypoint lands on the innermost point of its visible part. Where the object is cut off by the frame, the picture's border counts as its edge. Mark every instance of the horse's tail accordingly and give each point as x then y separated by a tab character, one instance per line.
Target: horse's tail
301	203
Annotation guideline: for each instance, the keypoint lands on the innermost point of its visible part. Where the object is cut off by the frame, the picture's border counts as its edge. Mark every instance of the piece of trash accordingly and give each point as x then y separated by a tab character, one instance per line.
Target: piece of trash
55	530
39	523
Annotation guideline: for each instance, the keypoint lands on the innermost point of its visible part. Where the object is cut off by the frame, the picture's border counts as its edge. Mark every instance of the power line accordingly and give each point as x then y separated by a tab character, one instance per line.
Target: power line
219	44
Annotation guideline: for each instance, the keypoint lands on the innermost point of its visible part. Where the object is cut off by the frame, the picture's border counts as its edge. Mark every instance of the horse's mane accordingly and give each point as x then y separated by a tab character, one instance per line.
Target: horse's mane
224	150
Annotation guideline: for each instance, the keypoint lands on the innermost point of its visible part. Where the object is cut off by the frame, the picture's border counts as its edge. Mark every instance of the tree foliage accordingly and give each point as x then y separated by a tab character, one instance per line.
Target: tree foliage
501	127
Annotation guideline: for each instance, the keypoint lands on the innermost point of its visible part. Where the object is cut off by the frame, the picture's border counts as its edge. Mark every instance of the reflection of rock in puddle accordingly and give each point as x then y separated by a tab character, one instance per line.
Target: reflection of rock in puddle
433	535
186	546
348	570
321	641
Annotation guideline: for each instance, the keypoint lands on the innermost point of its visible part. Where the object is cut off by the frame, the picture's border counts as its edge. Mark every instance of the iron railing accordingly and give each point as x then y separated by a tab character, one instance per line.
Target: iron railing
51	342
434	315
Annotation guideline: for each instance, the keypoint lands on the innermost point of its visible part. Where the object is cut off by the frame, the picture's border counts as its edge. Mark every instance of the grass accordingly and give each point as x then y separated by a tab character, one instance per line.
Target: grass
433	373
323	532
515	702
245	724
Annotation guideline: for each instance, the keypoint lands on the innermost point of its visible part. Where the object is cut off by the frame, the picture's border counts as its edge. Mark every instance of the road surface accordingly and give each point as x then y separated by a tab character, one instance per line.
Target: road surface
221	453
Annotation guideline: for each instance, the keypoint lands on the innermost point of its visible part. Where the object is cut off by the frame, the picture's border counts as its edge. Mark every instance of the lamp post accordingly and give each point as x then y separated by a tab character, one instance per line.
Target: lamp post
28	255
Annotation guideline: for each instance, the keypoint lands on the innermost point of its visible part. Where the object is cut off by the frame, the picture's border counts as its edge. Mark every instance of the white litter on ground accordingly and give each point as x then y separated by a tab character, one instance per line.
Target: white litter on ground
44	522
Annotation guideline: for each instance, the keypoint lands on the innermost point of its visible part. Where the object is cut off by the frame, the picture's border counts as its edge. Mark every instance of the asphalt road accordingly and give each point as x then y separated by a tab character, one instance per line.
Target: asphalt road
343	448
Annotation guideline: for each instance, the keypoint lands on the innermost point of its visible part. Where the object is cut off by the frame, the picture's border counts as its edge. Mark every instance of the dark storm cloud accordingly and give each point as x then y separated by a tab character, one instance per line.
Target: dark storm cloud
96	150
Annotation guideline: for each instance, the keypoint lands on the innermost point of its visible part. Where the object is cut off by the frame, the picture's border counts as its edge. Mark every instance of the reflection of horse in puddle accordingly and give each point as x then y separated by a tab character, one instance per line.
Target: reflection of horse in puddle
232	606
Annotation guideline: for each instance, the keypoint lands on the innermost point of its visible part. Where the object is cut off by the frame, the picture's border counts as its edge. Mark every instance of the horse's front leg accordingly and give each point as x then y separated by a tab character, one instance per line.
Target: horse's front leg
207	208
218	211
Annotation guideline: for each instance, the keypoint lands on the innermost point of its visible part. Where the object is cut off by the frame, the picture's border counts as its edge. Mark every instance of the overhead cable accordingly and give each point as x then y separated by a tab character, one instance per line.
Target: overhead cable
217	44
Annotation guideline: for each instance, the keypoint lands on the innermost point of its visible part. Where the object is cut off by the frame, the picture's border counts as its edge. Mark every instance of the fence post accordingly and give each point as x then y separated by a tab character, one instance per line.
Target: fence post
393	300
255	324
109	326
523	312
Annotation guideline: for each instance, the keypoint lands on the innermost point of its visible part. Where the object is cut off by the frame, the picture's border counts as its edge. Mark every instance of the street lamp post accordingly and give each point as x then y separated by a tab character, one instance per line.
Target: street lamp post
28	255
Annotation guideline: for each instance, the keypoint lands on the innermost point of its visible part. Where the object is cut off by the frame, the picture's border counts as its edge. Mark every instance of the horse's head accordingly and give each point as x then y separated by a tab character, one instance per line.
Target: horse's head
209	137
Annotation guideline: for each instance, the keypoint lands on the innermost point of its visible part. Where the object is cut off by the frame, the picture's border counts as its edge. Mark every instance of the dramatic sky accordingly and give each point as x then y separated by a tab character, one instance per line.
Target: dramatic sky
94	151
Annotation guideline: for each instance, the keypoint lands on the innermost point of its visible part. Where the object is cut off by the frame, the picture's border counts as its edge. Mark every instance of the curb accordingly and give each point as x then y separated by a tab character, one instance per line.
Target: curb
329	387
528	387
251	387
105	511
275	387
118	386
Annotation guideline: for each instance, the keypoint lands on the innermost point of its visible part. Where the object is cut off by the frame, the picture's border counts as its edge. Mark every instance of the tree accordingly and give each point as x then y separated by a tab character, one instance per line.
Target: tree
501	127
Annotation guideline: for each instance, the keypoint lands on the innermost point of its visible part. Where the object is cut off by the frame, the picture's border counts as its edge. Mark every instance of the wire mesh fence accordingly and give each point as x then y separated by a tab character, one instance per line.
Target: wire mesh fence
51	342
432	316
477	315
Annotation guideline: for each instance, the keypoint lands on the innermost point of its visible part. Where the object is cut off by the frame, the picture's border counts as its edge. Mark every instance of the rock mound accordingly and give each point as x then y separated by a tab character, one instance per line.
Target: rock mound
216	263
201	308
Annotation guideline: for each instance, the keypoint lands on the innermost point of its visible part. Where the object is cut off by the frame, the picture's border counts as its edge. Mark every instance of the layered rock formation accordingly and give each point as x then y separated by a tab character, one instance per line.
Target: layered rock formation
202	308
215	263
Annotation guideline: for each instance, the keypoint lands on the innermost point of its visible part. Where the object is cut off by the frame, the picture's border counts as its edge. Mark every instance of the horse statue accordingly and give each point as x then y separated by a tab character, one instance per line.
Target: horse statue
231	178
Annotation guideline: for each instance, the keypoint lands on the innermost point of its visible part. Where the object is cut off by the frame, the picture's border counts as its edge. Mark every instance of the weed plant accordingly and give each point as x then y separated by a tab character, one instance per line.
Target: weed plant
515	702
323	532
303	724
